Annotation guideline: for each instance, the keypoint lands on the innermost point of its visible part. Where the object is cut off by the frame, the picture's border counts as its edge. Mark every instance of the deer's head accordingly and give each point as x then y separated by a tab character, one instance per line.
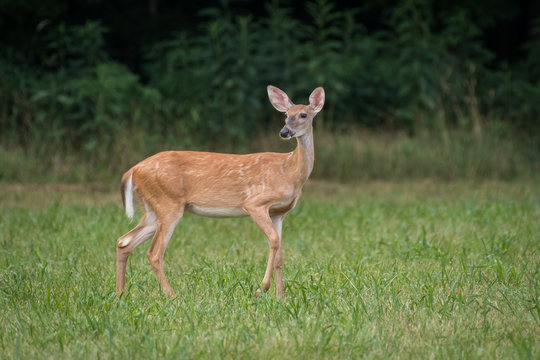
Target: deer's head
298	118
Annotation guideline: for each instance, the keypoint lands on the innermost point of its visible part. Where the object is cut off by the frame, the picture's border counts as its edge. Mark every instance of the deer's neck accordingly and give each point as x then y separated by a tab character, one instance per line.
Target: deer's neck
303	156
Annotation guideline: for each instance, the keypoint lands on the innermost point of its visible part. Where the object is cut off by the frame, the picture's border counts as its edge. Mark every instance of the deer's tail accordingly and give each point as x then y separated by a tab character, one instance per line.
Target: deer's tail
126	188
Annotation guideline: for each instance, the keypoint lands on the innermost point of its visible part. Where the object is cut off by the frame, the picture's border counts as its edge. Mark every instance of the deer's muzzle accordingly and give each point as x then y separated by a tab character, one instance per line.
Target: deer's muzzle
286	133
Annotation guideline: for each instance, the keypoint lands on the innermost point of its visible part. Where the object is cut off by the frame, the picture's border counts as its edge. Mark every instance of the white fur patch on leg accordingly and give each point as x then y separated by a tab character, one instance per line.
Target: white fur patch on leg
149	213
140	235
124	242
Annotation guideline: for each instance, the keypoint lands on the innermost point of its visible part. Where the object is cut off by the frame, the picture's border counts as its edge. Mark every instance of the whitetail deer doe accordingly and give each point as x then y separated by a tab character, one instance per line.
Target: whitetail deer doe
264	186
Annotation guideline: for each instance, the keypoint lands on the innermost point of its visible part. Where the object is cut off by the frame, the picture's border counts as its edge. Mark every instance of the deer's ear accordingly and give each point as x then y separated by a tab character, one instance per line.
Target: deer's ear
316	99
279	99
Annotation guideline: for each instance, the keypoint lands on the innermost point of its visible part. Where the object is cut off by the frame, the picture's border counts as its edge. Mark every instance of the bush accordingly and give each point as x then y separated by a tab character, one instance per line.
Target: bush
419	73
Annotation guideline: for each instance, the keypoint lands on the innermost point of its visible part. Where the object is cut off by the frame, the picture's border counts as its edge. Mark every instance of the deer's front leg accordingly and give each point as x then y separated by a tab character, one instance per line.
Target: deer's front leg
261	217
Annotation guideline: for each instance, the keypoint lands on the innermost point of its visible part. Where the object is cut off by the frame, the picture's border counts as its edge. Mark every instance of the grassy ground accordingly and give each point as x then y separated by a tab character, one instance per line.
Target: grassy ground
376	270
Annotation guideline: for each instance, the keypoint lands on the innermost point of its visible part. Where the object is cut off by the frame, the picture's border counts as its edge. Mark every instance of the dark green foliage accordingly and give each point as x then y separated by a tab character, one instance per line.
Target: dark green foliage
420	70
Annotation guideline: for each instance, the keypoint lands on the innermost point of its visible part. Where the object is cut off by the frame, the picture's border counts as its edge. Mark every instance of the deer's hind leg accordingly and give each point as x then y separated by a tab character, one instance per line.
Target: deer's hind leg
166	223
129	241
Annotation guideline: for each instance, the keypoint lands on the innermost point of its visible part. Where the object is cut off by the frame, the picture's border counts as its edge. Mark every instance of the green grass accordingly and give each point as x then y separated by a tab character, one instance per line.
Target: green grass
376	270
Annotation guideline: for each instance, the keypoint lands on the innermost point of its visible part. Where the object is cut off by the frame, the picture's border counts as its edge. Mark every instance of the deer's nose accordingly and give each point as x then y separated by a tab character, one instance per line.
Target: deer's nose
284	132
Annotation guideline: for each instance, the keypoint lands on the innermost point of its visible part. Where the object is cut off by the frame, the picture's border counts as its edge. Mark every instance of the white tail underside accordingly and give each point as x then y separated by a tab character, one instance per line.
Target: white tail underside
128	192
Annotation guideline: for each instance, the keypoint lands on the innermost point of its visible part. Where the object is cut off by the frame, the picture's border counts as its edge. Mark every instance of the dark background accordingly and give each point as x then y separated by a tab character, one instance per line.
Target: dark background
81	77
133	25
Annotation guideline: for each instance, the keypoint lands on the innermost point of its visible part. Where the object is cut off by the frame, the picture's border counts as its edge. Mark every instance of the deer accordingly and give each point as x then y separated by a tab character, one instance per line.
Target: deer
264	186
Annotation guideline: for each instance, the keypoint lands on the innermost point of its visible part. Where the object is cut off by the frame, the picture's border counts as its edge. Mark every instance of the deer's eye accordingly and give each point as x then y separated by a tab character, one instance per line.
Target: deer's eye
303	115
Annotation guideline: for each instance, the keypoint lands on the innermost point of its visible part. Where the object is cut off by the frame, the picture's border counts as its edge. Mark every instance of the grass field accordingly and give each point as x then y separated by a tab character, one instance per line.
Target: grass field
376	270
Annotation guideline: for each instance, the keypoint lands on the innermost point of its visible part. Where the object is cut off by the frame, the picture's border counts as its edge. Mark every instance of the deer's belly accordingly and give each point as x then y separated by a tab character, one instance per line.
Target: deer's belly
216	212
